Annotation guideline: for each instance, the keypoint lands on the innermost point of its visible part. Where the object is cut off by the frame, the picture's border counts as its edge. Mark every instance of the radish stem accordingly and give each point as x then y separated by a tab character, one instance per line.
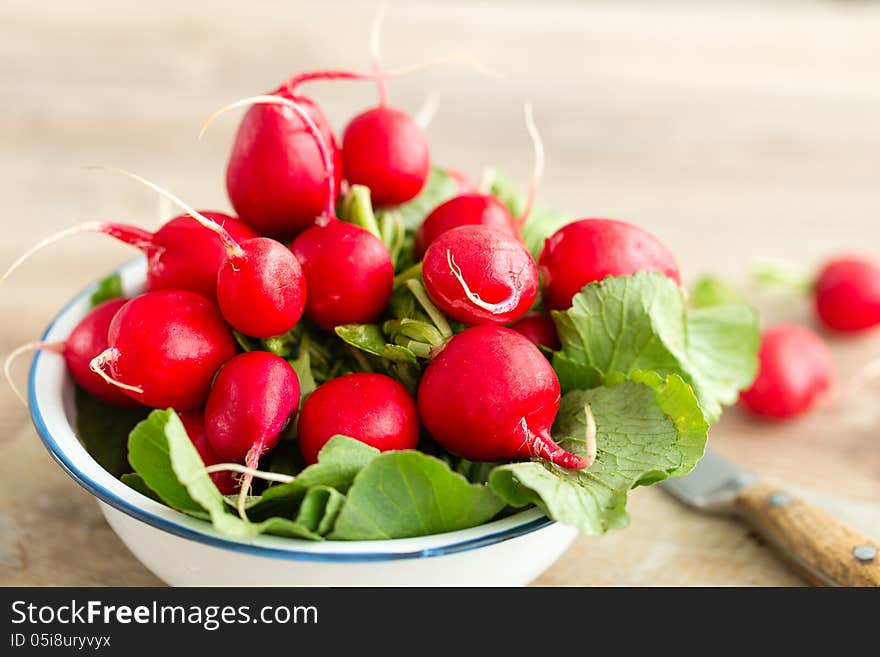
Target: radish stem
433	312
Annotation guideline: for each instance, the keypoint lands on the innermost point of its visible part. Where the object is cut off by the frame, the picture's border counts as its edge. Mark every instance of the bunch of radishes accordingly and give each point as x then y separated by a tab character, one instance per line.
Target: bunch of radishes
288	265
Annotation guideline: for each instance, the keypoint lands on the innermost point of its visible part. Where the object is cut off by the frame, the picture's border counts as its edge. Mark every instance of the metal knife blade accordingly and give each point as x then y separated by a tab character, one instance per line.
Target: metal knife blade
712	485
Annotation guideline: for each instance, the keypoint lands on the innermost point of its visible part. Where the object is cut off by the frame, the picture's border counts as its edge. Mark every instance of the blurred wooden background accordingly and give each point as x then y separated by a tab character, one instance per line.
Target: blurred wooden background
731	130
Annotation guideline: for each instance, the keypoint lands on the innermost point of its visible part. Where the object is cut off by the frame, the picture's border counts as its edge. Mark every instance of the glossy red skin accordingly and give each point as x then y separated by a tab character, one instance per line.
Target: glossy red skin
251	401
182	254
170	343
847	295
540	329
588	250
795	371
194	423
275	177
87	340
372	408
263	293
465	210
384	149
348	273
490	395
495	266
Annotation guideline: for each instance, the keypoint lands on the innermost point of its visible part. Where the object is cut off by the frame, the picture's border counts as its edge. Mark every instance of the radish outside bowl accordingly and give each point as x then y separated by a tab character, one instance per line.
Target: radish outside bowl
186	551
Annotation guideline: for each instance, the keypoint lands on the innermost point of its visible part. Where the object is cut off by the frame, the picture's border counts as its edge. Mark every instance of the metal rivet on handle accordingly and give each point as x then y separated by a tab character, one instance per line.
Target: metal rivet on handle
779	498
865	553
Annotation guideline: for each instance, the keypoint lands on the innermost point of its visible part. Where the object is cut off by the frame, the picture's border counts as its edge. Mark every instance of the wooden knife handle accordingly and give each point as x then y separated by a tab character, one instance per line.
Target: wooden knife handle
824	550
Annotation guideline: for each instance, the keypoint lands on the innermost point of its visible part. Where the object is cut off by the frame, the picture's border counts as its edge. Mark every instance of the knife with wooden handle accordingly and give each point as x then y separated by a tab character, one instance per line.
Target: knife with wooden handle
825	551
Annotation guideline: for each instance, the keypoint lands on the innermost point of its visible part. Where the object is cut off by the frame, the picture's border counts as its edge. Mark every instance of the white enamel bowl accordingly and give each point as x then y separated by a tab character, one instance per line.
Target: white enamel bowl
184	551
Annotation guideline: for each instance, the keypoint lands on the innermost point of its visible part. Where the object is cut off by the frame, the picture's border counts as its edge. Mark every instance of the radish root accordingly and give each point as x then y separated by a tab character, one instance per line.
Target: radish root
590	436
243	469
232	247
67	232
428	110
376	59
538	169
505	306
310	124
97	366
56	347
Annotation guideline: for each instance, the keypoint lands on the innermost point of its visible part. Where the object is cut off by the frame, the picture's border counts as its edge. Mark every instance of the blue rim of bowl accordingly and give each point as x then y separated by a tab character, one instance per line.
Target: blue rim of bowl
123	505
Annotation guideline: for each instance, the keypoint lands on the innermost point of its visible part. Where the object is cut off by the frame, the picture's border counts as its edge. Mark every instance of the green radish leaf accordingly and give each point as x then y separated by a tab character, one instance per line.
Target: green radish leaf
408	493
149	452
284	345
169	464
541	223
647	429
639	323
302	365
399	354
339	461
319	509
366	337
103	430
575	375
136	482
438	188
245	342
108	288
715	291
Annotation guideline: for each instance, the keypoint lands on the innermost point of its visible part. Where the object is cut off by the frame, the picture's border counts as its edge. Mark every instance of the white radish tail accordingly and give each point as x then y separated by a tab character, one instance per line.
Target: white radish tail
426	113
57	347
538	168
103	359
232	247
508	304
89	226
375	56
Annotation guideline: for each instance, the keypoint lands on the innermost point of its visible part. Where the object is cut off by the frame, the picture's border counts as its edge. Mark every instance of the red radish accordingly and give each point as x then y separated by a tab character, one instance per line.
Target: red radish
540	329
372	408
480	276
474	208
260	285
165	348
263	292
250	404
181	255
464	210
795	371
348	271
588	250
490	395
847	294
385	149
251	401
194	423
275	178
87	339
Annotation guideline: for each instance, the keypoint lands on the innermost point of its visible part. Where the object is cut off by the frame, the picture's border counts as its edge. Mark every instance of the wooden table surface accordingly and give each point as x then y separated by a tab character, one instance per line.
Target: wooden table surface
733	131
